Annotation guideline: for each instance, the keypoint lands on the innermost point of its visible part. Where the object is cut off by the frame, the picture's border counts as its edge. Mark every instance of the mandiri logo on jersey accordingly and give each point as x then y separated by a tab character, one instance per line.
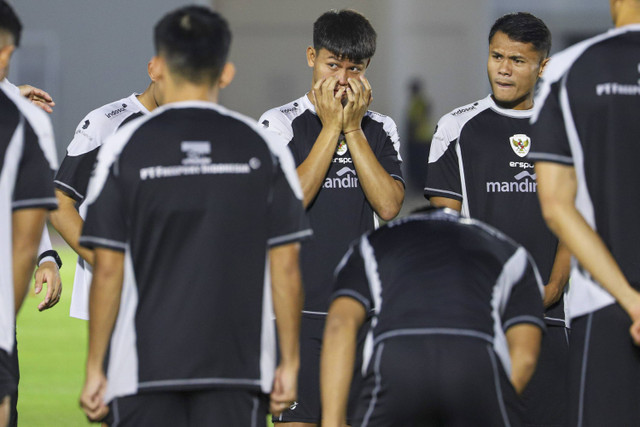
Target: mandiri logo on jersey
520	143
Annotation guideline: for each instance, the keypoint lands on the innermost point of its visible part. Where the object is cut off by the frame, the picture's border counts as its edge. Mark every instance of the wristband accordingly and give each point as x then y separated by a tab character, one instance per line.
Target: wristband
353	130
53	254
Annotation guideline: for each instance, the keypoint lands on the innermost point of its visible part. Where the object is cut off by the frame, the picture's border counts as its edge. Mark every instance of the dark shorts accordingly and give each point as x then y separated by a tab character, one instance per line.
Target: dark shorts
233	408
436	380
8	380
604	376
545	397
307	408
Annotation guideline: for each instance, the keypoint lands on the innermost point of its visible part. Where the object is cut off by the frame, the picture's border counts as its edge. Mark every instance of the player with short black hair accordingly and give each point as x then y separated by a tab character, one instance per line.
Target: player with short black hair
586	124
346	34
456	325
348	161
524	27
478	165
27	161
188	275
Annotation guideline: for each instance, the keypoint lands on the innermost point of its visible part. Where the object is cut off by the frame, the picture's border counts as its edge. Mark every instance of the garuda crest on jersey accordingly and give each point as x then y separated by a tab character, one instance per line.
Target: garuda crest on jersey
520	143
342	146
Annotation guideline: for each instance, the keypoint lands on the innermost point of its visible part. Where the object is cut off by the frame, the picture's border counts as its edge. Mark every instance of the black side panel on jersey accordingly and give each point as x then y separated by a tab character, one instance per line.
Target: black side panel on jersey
34	183
9	120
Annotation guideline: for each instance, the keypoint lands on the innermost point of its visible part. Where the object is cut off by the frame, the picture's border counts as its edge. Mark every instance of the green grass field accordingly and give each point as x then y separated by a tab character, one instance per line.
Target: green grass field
52	348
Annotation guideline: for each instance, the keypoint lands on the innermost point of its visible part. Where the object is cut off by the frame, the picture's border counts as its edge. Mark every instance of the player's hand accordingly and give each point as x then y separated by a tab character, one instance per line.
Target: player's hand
38	97
92	397
48	273
552	294
285	389
328	103
358	100
634	312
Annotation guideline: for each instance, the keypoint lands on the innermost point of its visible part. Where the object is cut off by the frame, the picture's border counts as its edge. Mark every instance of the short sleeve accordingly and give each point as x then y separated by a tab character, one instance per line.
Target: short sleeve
443	168
549	140
106	224
34	181
389	156
351	279
524	304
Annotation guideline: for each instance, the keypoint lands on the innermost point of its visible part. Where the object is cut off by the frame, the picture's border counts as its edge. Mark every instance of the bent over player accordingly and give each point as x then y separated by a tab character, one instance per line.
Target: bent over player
348	161
457	323
478	164
181	291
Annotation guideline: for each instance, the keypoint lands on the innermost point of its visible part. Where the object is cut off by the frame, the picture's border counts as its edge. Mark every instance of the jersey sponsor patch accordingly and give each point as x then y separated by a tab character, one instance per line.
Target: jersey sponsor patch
520	143
524	182
346	178
116	111
197	152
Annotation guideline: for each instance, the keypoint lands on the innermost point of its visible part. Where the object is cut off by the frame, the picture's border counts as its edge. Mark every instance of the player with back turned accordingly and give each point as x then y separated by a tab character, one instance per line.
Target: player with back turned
188	275
348	161
478	165
586	124
27	161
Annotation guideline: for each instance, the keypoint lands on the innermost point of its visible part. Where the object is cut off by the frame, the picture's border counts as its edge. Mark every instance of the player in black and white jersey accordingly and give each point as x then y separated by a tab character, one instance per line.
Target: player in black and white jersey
27	161
478	164
348	161
188	275
457	323
586	124
72	179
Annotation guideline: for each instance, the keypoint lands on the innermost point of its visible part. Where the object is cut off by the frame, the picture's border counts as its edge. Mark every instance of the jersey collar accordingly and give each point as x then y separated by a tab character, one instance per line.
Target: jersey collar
523	114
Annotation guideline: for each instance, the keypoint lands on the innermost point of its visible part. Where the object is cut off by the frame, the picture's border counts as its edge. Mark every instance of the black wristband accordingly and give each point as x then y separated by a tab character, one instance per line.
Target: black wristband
52	254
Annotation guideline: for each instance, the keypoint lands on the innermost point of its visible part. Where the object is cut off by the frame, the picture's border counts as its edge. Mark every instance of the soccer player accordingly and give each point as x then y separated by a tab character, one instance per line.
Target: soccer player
72	179
188	274
457	324
28	158
348	161
586	127
478	165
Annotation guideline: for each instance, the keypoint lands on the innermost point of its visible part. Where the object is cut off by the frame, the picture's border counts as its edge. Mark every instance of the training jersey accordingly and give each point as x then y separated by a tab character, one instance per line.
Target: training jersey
27	162
586	116
479	156
340	212
75	170
194	195
439	273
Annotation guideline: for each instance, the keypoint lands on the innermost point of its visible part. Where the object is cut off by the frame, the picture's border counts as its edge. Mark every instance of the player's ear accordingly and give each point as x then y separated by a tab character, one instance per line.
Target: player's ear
543	65
5	55
311	56
227	75
155	68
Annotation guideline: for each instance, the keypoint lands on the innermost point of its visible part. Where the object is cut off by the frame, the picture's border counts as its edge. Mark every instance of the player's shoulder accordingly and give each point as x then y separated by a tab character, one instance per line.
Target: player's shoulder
387	122
286	113
452	122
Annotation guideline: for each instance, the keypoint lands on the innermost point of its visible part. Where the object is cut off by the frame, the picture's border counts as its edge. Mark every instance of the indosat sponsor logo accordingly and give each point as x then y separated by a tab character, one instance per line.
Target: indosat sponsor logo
525	183
346	179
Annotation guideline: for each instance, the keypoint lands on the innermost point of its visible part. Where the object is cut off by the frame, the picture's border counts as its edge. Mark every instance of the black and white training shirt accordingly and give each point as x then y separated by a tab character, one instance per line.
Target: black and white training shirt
439	273
75	170
340	212
27	162
587	115
195	195
479	156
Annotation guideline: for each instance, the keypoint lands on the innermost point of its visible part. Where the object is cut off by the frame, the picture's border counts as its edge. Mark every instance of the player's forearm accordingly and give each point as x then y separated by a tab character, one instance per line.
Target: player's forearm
384	193
286	287
68	222
26	231
104	303
524	347
313	170
559	275
336	369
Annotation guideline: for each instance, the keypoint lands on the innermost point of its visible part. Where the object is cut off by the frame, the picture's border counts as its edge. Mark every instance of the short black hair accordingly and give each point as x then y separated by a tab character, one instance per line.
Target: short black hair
9	22
523	27
345	33
195	42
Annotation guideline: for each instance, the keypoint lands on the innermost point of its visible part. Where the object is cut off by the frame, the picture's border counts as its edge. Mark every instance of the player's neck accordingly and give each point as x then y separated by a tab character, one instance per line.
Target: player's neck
524	103
190	92
628	16
147	99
